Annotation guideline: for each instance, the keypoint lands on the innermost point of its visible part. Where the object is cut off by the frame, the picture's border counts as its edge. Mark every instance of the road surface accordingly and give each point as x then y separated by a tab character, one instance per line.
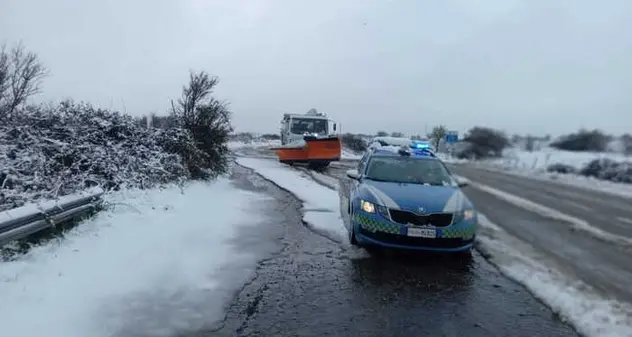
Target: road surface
603	265
316	287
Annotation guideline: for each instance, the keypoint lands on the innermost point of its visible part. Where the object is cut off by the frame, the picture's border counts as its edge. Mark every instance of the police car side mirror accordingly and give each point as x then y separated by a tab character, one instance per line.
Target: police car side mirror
353	174
334	126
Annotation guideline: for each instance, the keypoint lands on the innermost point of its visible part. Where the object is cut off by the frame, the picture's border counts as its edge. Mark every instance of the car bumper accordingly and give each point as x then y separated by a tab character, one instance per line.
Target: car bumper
376	230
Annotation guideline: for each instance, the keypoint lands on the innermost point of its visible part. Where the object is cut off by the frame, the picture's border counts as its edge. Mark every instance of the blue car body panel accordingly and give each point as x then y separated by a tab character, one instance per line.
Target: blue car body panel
411	196
390	199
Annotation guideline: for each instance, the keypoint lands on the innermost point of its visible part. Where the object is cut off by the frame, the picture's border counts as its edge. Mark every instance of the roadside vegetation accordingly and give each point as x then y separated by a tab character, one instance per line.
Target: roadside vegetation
54	149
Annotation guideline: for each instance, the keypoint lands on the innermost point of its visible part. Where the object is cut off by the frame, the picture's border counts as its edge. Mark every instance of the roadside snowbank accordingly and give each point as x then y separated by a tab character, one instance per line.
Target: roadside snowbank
159	263
321	206
591	314
350	155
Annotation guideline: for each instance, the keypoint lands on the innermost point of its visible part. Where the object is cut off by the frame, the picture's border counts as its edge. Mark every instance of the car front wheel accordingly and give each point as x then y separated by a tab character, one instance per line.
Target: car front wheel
352	238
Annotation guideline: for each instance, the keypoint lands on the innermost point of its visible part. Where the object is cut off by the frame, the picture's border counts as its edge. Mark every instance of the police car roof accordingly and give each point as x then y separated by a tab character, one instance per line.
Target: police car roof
389	151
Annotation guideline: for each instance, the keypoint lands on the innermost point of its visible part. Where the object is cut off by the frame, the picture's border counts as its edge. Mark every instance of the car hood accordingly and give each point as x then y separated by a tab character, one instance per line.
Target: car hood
411	197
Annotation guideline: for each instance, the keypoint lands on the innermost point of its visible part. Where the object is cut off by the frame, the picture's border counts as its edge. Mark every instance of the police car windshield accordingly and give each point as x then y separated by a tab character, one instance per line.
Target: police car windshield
408	170
309	125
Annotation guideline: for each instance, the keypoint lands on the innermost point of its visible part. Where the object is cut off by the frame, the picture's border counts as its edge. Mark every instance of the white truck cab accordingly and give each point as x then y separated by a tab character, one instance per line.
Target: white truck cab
294	127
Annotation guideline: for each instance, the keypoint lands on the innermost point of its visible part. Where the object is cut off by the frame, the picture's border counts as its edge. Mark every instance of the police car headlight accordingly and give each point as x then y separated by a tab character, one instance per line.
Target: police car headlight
464	215
367	206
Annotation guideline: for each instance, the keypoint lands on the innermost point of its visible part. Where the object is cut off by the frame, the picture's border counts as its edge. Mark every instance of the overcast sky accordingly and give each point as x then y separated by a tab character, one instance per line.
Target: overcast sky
524	66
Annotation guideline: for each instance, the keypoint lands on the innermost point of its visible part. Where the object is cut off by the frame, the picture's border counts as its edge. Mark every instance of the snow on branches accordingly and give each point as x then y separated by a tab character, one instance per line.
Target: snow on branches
52	151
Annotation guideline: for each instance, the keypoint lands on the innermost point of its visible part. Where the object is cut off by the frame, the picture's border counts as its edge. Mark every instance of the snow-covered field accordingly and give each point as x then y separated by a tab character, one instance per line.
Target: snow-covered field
540	160
590	313
534	164
160	262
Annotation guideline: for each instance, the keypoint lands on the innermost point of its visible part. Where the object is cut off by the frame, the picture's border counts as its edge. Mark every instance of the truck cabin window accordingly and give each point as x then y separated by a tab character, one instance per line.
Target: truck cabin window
317	126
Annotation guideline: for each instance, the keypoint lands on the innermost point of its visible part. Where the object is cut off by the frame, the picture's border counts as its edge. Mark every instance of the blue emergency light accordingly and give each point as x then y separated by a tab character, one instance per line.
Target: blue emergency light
419	145
418	149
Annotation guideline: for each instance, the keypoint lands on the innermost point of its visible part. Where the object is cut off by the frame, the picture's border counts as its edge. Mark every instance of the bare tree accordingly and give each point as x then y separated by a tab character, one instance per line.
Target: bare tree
438	133
21	73
5	82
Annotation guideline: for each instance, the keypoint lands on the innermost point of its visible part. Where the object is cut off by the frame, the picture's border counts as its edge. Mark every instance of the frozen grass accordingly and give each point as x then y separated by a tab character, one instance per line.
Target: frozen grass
321	205
161	262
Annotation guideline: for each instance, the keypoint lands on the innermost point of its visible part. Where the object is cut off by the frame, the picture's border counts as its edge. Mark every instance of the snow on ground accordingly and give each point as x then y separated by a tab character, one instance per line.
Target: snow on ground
350	155
534	164
447	158
321	207
160	262
516	159
590	313
540	160
257	143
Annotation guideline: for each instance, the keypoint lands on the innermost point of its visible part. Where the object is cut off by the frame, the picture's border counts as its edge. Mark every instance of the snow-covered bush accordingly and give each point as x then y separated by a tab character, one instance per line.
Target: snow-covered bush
583	140
561	168
354	142
208	121
49	151
604	169
483	142
607	169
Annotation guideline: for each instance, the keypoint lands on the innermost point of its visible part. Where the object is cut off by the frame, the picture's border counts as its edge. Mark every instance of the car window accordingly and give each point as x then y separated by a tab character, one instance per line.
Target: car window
410	170
309	125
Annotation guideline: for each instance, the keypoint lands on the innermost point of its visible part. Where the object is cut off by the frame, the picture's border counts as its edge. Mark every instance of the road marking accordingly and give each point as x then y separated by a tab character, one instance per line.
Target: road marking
568	202
576	223
625	220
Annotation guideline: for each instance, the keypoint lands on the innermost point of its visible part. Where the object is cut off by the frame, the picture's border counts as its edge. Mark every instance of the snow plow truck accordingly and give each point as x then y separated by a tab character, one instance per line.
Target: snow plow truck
307	139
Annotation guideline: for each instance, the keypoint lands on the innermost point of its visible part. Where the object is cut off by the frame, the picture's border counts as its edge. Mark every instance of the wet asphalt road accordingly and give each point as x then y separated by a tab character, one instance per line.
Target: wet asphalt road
315	287
603	265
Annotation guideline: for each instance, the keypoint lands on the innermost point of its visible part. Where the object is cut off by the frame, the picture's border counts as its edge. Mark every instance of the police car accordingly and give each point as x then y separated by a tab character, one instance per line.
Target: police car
405	197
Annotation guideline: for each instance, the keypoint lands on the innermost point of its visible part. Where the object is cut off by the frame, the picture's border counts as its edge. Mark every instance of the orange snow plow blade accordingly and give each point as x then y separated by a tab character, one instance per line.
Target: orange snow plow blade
316	152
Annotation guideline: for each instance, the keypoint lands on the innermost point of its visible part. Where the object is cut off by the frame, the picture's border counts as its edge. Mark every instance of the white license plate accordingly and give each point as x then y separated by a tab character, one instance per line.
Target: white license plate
422	232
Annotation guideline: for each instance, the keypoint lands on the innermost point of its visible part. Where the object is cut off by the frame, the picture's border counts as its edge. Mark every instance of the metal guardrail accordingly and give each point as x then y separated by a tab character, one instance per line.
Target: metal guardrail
21	222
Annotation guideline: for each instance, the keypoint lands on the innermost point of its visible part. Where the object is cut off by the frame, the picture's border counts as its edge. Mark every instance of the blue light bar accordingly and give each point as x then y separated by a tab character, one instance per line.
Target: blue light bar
419	145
